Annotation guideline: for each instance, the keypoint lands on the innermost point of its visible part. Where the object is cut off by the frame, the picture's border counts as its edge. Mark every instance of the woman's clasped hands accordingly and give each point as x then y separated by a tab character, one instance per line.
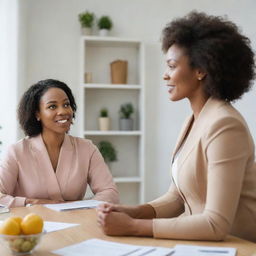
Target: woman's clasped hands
114	220
126	220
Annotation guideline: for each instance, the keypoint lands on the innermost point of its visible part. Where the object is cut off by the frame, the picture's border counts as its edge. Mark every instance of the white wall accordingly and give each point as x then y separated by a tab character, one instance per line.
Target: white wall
8	71
22	53
53	46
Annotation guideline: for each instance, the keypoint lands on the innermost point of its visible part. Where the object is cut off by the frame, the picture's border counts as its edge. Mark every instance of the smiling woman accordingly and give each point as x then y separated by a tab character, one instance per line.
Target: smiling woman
213	193
50	166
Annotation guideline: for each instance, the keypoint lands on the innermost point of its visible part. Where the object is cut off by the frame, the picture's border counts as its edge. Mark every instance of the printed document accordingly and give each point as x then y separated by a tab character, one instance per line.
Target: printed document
83	204
97	247
191	250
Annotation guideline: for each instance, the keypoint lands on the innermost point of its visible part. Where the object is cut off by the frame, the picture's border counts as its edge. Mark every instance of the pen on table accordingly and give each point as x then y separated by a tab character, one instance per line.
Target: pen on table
147	252
78	208
213	251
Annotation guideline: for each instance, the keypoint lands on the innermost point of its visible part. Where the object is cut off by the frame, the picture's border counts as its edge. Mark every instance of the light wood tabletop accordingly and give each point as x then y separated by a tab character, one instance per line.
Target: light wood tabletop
88	229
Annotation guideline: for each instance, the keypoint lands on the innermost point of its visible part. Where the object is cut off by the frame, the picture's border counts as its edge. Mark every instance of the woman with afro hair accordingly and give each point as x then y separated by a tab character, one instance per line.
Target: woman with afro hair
213	189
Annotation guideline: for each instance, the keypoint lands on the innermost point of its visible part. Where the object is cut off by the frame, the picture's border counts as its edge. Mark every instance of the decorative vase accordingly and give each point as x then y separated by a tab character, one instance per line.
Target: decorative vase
86	31
119	71
126	124
88	77
104	32
104	123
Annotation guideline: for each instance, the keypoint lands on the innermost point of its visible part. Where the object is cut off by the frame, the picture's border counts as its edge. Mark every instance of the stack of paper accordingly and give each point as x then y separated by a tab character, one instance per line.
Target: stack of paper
83	204
185	250
97	247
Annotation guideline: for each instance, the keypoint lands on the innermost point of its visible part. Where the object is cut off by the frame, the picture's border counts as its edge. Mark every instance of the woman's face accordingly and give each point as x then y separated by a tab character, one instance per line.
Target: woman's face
55	112
182	80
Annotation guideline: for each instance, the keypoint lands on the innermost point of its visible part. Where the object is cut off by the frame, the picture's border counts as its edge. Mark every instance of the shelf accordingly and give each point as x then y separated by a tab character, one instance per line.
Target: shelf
127	179
97	54
112	86
110	41
112	133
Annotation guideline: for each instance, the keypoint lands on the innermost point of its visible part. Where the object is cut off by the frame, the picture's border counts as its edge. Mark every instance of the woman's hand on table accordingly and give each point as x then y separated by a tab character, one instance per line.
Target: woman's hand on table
116	220
115	223
132	211
144	211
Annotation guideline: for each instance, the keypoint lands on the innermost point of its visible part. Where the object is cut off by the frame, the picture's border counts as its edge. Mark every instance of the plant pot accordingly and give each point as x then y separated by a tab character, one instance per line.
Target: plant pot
126	124
119	71
86	31
104	32
104	123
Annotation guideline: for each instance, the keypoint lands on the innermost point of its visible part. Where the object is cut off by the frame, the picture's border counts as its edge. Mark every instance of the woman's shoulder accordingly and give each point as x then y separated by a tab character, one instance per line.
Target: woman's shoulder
224	117
18	148
20	144
219	111
81	143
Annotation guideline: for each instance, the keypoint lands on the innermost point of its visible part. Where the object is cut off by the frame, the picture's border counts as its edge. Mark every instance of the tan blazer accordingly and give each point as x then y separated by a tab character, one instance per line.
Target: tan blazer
216	192
26	172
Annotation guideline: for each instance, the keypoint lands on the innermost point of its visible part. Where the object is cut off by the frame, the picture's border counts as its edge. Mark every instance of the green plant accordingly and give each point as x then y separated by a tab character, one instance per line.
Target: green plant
86	19
108	151
103	112
126	110
105	23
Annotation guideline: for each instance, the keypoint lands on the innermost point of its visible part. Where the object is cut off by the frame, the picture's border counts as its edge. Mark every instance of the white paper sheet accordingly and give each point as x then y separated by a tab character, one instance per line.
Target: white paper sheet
97	247
185	250
50	226
83	204
4	209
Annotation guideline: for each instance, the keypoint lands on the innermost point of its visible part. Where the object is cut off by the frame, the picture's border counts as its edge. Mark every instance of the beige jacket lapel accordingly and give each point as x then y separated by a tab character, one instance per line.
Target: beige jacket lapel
182	135
194	136
66	161
197	129
45	169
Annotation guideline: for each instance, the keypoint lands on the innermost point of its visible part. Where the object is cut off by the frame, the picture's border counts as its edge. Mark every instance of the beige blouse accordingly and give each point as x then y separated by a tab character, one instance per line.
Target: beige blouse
26	172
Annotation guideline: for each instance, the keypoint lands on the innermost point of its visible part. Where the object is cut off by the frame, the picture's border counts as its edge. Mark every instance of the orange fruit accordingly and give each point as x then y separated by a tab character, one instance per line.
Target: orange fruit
32	224
17	219
10	227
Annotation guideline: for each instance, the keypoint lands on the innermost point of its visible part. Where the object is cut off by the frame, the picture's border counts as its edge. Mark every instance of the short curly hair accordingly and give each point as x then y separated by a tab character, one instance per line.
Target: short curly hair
216	46
29	104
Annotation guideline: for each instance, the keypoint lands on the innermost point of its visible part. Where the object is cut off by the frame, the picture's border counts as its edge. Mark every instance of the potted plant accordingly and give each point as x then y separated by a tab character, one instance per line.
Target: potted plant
125	121
86	20
104	121
104	25
108	151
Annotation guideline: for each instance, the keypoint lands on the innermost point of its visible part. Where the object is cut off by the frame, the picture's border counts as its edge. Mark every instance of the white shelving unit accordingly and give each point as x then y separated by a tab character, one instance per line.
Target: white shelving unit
96	55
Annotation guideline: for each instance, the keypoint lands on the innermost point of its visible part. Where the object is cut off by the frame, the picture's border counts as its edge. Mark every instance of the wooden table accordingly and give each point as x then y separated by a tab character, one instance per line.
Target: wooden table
89	229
